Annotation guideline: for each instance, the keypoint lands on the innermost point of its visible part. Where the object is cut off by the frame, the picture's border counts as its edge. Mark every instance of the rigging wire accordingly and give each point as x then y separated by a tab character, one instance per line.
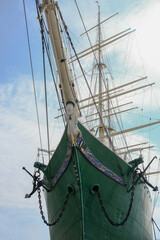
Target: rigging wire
120	116
47	47
100	73
33	80
89	37
74	73
156	194
91	45
83	70
45	89
54	81
69	80
127	57
85	30
154	231
82	45
137	43
119	122
101	119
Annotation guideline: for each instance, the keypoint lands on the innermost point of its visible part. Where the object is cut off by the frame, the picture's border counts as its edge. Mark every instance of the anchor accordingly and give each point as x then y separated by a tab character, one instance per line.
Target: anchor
141	175
149	184
37	183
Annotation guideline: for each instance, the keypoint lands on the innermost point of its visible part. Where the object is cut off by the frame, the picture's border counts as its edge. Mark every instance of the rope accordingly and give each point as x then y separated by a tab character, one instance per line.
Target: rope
101	119
110	141
154	230
48	54
156	224
89	37
47	47
54	81
45	87
85	30
100	72
65	27
33	81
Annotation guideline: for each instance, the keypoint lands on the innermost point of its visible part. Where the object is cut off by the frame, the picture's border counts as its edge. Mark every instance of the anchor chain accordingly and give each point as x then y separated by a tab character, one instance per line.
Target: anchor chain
62	209
129	208
76	172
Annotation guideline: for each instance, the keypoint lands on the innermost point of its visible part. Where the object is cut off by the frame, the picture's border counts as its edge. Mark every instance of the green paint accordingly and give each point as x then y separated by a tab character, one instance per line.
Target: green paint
83	218
136	162
40	166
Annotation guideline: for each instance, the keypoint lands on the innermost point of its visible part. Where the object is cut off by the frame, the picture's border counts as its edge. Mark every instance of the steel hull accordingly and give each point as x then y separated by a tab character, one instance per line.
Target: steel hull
83	218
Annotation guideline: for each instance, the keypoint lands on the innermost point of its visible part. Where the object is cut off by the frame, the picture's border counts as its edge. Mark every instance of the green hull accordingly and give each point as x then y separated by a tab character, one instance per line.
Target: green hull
83	218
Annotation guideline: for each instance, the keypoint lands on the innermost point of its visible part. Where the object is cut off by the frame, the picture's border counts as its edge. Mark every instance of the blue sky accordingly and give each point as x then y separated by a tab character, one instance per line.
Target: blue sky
20	218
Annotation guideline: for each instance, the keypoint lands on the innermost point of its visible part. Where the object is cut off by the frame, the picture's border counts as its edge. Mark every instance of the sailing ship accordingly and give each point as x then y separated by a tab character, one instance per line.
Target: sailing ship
94	187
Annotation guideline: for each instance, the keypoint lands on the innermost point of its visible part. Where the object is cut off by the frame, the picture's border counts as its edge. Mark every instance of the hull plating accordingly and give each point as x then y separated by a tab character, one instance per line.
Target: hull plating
83	218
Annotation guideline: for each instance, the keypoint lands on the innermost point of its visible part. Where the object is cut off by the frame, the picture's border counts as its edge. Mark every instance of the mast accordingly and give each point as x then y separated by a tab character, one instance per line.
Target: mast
101	129
49	7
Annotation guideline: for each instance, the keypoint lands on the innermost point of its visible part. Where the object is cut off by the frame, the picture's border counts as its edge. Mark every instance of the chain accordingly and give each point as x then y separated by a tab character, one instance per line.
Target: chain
122	173
129	209
61	212
76	172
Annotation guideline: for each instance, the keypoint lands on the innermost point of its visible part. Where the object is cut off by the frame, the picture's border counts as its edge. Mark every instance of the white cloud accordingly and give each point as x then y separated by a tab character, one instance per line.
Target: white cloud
20	139
145	20
18	126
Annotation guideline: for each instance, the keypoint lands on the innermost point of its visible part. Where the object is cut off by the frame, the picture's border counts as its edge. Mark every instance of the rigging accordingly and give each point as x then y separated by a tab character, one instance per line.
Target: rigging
33	80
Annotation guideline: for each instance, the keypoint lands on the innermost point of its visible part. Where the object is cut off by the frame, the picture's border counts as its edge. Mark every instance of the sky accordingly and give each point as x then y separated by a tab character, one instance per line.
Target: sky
19	217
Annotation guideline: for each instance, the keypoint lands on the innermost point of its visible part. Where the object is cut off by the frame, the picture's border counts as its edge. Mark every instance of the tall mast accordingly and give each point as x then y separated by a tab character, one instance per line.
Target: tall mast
59	53
101	129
